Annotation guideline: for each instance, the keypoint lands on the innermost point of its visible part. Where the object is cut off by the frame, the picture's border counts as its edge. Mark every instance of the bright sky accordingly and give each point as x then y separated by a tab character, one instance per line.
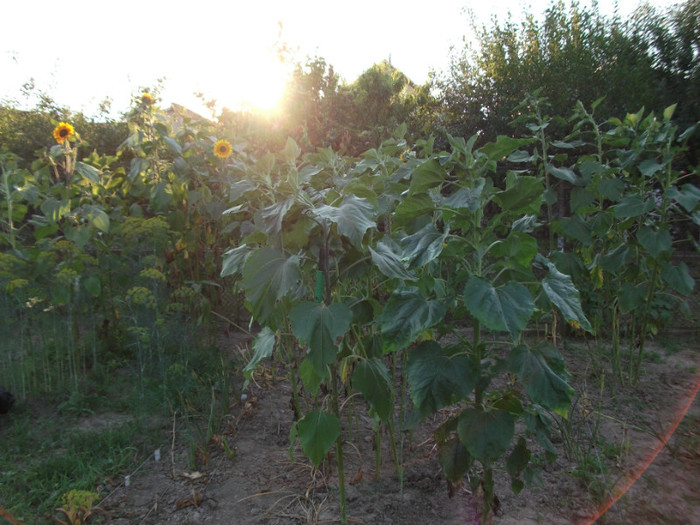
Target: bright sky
83	51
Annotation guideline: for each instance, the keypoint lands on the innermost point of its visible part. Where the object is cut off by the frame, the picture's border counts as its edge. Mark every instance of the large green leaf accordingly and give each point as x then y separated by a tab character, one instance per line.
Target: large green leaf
633	206
353	217
80	234
89	172
427	175
454	459
518	247
576	228
263	346
371	379
616	258
268	275
97	217
414	206
234	259
688	196
138	166
654	241
173	145
161	196
486	434
564	173
631	296
516	463
270	219
317	432
93	285
649	167
54	209
581	198
562	293
438	379
611	189
521	193
406	315
504	146
310	379
389	262
533	366
678	278
508	307
469	198
320	325
291	151
423	246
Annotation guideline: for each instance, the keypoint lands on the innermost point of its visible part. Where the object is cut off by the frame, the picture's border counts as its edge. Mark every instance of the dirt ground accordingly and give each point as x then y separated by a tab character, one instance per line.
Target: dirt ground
247	477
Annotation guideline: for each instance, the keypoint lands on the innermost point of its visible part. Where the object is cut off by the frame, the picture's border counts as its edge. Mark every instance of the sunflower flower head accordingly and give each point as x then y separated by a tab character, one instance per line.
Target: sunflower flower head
147	99
223	149
63	132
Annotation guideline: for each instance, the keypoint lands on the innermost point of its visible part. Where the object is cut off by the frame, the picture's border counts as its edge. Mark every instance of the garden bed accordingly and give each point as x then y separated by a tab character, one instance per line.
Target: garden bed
614	433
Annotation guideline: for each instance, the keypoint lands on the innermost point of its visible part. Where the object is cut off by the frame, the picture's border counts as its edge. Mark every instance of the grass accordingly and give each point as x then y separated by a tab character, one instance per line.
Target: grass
43	458
88	438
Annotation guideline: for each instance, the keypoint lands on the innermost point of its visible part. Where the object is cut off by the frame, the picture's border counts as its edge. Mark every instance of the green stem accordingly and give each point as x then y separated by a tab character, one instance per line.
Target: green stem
476	345
617	365
338	445
8	196
292	363
643	328
377	451
397	459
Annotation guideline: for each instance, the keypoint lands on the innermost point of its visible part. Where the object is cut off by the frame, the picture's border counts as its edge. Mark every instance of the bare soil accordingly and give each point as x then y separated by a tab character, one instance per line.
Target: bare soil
630	456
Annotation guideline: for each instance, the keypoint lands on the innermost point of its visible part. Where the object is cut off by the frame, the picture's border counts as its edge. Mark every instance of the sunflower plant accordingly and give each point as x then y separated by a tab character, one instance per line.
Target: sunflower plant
363	263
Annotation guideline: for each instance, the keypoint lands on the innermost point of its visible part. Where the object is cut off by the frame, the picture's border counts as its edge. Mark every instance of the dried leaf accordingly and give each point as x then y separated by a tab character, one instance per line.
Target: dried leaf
194	501
192	475
358	477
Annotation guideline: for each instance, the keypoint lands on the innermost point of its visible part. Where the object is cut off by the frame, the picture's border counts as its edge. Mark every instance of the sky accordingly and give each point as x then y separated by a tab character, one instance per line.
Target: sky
85	51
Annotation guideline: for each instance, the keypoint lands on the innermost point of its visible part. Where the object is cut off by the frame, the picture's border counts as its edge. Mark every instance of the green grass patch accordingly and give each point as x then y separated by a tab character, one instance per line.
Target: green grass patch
89	438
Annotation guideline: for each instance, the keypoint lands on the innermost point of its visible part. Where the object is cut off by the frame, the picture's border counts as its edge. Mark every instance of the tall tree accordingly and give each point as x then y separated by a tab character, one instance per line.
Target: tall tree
574	53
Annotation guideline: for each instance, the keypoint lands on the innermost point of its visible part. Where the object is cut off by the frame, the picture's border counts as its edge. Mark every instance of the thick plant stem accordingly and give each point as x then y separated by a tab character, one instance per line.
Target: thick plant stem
377	452
617	364
487	482
288	345
8	196
397	460
634	372
476	345
338	446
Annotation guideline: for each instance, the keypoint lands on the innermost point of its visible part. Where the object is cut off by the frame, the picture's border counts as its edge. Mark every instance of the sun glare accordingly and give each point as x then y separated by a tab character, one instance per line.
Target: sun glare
256	83
262	85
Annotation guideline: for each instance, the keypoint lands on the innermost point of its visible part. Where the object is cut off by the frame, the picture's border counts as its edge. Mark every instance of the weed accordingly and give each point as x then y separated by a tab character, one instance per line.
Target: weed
653	357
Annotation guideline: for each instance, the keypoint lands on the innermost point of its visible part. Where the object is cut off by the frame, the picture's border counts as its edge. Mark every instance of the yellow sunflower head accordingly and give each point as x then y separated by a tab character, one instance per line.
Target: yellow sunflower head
223	149
63	132
147	99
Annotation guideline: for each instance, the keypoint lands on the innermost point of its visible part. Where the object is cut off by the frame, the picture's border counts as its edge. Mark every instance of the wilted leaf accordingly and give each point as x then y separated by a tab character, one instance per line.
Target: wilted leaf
263	346
562	293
